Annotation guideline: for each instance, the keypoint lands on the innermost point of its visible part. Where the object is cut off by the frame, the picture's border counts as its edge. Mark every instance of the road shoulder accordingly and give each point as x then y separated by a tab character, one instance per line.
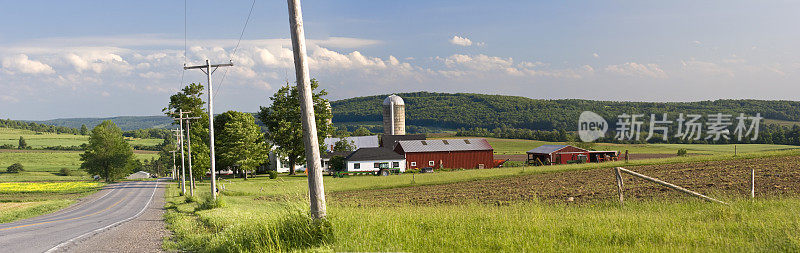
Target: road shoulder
143	234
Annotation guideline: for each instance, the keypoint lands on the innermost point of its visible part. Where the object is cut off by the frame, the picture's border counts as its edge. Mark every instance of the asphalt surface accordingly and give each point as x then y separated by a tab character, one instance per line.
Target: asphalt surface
113	206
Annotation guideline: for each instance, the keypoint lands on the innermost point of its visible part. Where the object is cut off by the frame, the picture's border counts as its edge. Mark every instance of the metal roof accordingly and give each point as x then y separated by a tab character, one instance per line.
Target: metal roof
546	149
388	140
444	145
370	141
374	154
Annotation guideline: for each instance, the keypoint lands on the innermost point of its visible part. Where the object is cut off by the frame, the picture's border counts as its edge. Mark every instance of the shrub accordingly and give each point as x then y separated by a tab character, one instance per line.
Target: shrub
273	174
682	152
66	172
190	199
15	168
210	203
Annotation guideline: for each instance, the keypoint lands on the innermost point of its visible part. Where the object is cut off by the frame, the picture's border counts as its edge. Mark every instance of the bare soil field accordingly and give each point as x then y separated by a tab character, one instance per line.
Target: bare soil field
775	176
522	158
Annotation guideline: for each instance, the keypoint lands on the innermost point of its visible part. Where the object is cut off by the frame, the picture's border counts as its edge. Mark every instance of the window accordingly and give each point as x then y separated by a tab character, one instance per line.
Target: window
356	166
413	164
376	165
431	163
395	164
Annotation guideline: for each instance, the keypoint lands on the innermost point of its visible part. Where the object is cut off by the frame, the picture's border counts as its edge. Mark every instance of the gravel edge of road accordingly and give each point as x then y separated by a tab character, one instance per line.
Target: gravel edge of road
144	233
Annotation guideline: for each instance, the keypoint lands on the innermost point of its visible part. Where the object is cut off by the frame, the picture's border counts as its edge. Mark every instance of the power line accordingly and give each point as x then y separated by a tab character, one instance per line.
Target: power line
235	49
185	25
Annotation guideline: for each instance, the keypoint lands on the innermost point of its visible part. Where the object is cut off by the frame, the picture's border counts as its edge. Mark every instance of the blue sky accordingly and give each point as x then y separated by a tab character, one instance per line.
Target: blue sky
110	58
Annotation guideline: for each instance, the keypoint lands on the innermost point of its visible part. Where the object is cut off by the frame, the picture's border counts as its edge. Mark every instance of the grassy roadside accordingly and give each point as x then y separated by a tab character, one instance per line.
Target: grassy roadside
266	215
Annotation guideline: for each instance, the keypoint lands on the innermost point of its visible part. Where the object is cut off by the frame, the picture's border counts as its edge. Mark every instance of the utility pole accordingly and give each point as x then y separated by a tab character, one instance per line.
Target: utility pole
174	169
316	190
180	122
207	70
179	137
189	144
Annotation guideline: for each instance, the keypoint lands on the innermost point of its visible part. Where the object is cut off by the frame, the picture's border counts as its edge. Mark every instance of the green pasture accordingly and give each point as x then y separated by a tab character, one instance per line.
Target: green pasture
266	215
40	140
44	165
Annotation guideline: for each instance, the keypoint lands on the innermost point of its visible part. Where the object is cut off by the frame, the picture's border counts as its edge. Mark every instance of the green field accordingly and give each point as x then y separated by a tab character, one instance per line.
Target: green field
262	215
517	147
29	199
44	165
41	140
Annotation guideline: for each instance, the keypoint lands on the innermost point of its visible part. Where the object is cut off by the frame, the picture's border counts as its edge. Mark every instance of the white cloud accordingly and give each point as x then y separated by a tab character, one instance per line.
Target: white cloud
461	41
9	99
634	69
22	64
706	68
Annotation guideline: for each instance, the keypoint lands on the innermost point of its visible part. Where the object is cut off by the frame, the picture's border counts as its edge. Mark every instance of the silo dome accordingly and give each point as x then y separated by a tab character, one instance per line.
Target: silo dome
394	115
393	99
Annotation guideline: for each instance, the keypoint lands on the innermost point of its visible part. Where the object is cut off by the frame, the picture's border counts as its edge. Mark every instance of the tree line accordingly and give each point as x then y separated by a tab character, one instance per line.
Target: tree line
467	110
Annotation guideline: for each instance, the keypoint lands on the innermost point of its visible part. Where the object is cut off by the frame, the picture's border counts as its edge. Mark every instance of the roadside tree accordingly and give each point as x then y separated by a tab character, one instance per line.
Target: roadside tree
284	128
107	154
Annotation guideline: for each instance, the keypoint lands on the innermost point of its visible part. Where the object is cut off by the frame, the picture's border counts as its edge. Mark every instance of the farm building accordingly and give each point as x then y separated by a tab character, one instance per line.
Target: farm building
371	141
388	141
139	175
372	159
564	154
452	153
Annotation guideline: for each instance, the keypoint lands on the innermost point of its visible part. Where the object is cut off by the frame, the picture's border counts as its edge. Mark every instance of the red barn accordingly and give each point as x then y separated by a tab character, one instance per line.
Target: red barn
452	153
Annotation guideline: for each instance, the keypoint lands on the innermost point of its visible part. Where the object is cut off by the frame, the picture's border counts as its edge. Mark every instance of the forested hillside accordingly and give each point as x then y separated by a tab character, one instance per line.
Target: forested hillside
466	110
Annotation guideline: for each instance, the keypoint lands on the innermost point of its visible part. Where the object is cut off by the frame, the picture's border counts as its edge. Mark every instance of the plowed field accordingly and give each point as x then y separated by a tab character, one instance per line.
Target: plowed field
775	176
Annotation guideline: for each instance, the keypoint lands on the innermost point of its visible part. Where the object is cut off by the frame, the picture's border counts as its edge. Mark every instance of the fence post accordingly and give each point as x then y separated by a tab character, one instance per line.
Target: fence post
753	183
620	184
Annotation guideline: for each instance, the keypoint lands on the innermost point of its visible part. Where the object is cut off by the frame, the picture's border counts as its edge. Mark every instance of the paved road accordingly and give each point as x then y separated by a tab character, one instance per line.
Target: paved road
112	206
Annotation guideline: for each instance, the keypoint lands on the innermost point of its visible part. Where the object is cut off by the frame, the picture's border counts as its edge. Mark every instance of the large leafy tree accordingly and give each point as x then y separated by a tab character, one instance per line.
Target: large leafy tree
282	120
107	154
239	141
189	99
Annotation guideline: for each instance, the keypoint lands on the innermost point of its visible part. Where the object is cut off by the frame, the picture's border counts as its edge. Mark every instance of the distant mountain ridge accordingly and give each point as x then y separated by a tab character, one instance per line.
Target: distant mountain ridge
469	110
125	122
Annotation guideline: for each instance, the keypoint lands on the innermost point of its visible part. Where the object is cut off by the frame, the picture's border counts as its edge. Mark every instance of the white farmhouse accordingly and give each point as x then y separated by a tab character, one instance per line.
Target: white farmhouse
371	159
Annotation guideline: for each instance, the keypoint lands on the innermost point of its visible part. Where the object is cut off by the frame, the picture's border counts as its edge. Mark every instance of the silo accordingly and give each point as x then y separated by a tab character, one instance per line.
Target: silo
330	120
394	115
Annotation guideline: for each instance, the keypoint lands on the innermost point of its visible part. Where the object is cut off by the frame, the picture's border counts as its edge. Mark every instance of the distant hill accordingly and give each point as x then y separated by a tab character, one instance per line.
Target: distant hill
124	122
441	111
467	110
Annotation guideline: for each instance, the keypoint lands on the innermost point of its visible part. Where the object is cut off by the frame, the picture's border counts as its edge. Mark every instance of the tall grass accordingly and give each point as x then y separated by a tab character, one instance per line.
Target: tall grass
676	226
199	227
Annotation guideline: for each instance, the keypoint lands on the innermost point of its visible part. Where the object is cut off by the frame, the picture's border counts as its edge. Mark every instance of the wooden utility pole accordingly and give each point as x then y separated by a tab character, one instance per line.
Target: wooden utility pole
174	168
179	138
207	70
313	166
189	144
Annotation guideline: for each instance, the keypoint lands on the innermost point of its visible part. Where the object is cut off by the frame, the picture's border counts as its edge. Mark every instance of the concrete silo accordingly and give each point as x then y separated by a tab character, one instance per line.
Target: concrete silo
394	115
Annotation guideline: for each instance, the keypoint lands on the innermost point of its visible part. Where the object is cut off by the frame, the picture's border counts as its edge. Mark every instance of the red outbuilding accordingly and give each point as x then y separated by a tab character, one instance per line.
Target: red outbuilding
564	154
451	153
